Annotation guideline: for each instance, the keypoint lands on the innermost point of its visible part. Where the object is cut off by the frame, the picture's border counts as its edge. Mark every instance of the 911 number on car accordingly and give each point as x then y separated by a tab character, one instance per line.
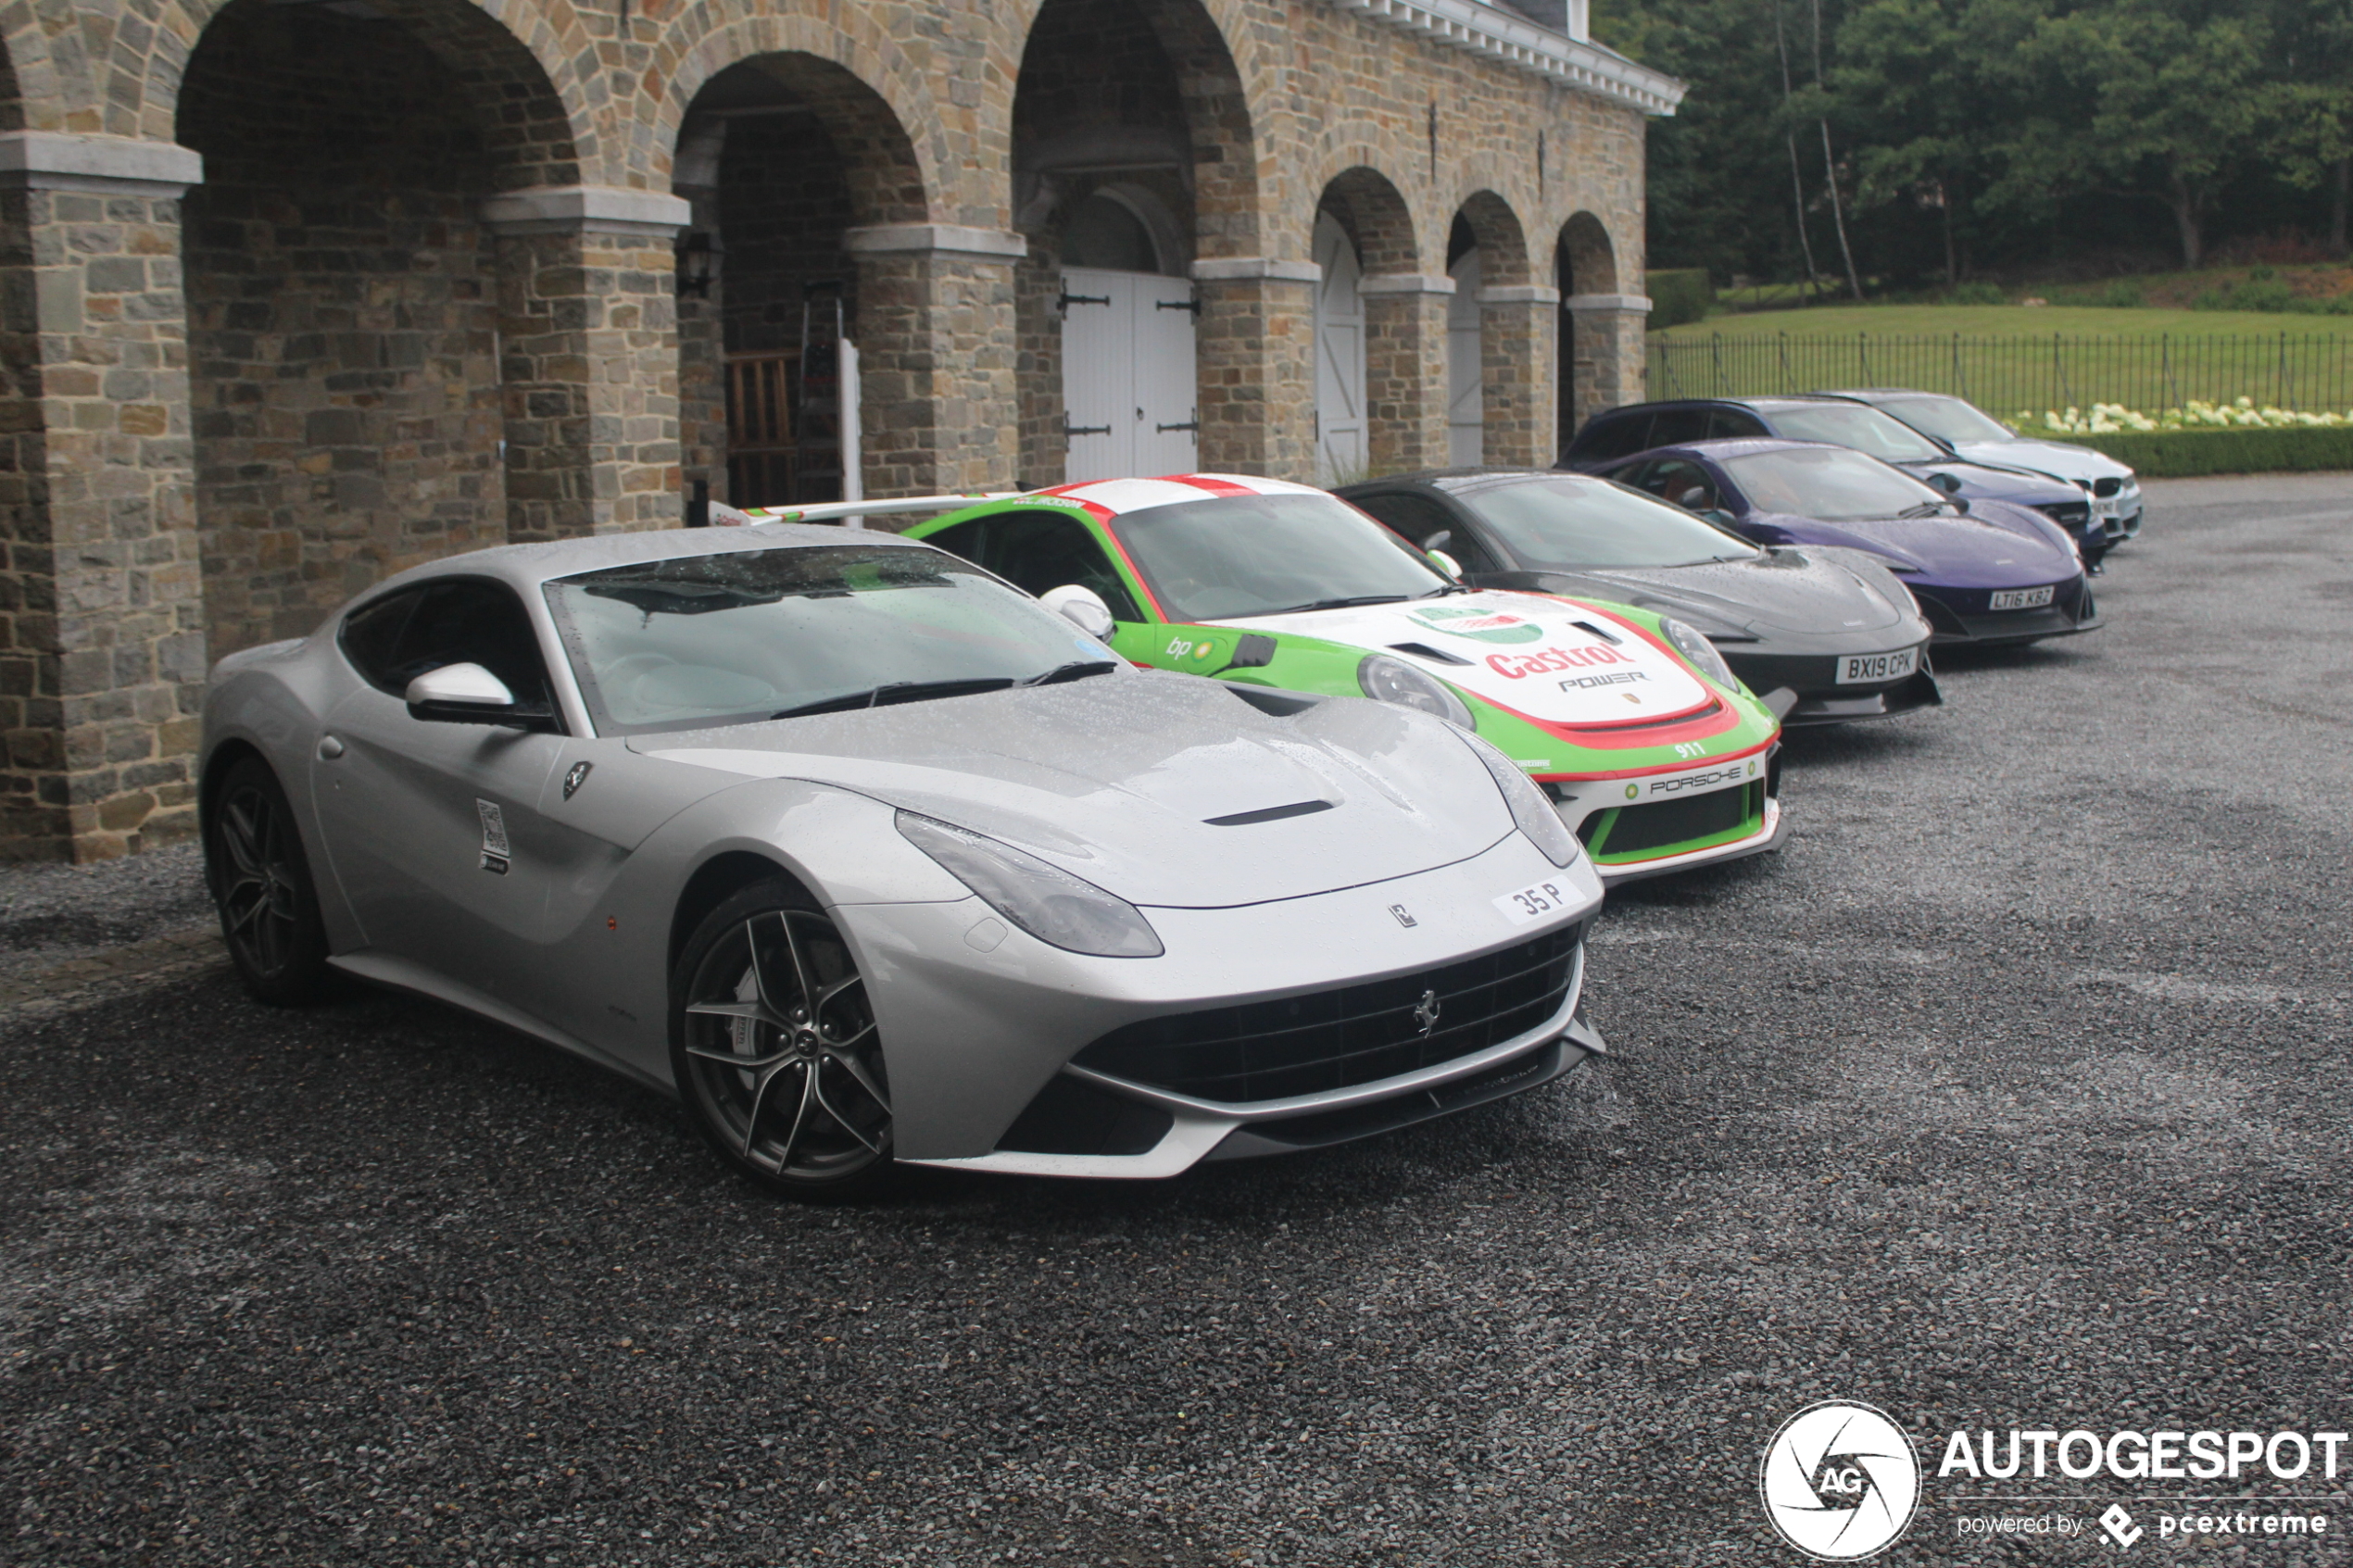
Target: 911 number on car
1533	902
1855	667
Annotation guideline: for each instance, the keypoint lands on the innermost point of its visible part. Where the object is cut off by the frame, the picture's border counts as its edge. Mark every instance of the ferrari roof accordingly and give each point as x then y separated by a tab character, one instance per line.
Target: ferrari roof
528	566
1115	498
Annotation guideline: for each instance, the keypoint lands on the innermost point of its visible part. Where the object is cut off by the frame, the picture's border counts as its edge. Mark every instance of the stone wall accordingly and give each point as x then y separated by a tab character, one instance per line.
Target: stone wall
341	319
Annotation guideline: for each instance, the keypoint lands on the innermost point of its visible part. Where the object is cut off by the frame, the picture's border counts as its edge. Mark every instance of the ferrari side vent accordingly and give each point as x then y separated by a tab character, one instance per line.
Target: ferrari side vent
1356	1034
1268	814
1070	1117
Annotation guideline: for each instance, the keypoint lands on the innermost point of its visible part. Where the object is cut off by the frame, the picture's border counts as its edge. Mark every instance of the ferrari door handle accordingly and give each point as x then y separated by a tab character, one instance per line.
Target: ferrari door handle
329	748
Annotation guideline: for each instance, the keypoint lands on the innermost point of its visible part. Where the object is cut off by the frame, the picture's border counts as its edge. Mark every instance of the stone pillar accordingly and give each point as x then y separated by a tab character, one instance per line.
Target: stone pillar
1611	359
589	358
1045	419
936	335
1256	352
1406	369
1518	338
102	648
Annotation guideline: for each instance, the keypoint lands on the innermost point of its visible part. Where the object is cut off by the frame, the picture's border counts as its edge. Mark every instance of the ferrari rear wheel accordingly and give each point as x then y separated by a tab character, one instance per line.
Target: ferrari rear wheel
775	1049
260	882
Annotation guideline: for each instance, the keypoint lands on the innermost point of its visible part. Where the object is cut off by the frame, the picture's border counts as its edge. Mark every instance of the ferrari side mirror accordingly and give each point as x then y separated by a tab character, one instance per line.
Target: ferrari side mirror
1083	608
1948	482
466	694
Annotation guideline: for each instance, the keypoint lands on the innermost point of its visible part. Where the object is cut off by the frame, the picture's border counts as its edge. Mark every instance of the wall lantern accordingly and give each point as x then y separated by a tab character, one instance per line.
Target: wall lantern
697	263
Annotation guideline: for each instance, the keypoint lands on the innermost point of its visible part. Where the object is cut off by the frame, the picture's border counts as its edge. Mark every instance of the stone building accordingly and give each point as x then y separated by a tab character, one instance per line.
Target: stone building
300	293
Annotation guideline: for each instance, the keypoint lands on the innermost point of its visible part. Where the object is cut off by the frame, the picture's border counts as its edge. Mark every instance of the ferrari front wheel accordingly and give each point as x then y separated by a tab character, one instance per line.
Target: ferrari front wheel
775	1049
260	882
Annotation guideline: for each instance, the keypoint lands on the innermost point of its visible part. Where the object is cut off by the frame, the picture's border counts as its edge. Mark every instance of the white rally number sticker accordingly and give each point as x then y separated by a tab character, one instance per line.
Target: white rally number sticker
1533	902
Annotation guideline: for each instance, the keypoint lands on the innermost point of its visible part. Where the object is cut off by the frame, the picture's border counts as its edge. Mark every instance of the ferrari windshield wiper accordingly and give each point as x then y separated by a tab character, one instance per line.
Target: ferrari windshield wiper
895	692
1340	604
1926	508
1077	671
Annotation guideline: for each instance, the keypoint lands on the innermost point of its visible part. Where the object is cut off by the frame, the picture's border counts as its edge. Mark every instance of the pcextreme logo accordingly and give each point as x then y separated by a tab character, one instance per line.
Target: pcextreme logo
1840	1481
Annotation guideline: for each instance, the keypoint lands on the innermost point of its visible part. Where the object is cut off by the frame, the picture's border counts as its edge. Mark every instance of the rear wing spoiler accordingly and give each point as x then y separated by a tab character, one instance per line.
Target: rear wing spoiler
852	514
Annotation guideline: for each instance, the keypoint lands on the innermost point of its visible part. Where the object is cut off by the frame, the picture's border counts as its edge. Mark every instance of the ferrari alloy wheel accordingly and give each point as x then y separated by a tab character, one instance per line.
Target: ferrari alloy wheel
260	882
775	1049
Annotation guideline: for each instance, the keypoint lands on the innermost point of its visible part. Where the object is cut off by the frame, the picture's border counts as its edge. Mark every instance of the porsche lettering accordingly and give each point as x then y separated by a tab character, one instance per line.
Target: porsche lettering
1545	661
1689	782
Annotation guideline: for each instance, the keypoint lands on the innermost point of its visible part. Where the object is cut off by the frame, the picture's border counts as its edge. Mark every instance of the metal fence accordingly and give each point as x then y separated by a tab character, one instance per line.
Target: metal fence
2003	375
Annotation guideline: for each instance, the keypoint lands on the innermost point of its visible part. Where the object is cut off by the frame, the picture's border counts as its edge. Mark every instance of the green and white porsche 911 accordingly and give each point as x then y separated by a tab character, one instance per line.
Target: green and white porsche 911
1648	745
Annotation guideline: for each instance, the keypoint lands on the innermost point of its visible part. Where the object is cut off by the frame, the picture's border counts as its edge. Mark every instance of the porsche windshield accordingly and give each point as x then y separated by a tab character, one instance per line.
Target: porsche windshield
1857	425
1573	523
736	637
1948	419
1829	485
1240	555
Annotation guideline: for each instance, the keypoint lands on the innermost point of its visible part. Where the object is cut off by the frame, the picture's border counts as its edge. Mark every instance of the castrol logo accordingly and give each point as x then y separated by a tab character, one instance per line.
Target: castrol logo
1546	661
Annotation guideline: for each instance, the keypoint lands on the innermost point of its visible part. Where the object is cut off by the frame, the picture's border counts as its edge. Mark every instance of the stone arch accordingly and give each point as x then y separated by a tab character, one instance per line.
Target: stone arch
853	70
512	58
1377	216
1220	72
1503	243
1585	260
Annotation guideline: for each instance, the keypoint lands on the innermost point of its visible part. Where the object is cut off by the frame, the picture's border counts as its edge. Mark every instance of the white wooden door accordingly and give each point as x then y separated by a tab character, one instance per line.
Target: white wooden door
1167	416
1339	357
1129	380
1099	321
1465	402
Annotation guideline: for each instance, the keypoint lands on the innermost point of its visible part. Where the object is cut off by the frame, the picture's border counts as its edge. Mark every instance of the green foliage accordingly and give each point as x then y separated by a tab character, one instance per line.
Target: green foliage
2122	294
2189	454
1979	292
1678	295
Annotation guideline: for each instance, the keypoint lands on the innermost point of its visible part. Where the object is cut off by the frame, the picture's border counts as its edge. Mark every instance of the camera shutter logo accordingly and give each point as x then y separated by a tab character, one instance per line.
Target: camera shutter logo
1840	1481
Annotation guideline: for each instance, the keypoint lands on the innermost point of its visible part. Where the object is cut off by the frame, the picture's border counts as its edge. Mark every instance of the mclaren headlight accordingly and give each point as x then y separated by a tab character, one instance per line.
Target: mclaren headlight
1388	680
1699	650
1052	905
1533	813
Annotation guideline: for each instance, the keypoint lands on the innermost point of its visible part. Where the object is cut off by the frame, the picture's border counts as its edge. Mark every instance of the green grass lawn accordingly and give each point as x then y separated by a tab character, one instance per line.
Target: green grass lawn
2007	320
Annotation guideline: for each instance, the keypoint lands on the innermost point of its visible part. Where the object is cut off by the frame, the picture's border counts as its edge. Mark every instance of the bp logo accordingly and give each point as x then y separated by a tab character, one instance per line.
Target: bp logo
1632	791
1201	655
1486	625
1840	1481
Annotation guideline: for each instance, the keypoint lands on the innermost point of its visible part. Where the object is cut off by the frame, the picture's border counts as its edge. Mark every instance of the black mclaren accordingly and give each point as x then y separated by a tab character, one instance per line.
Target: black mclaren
1826	635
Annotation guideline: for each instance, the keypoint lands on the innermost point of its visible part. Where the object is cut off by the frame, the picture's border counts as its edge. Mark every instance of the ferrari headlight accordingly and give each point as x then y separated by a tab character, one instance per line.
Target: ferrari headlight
1048	902
1699	650
1387	679
1533	813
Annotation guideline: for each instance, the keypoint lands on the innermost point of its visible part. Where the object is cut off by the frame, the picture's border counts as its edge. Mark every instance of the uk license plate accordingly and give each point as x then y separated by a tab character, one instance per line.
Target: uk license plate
1855	667
1534	902
2023	599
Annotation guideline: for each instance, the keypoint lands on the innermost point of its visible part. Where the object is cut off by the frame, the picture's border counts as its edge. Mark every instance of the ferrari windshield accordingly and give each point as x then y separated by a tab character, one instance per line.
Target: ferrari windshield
1236	556
732	638
1948	419
1830	483
1572	523
1857	425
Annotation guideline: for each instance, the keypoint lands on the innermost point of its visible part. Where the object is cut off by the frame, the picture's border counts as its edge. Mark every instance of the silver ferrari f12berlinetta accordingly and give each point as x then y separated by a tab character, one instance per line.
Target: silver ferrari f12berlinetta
871	857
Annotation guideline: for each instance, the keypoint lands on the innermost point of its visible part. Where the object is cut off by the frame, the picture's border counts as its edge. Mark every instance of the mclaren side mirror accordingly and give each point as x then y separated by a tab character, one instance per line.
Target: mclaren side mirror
1083	608
466	694
1439	540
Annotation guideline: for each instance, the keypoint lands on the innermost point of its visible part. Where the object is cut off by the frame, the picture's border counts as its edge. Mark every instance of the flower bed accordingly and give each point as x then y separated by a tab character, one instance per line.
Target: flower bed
2115	418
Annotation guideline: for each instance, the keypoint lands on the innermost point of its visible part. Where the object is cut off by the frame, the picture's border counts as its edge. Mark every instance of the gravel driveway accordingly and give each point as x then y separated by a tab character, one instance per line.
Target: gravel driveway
2011	1094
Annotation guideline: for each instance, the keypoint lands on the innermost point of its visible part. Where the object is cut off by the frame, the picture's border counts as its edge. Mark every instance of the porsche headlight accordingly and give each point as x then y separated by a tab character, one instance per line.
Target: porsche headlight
1699	650
1387	679
1533	813
1048	902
